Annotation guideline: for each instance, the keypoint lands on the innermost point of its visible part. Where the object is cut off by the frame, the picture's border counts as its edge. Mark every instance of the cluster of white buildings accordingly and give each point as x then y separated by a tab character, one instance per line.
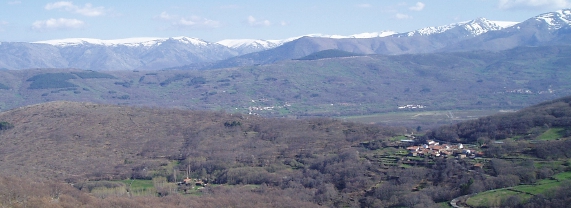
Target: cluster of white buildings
411	106
435	149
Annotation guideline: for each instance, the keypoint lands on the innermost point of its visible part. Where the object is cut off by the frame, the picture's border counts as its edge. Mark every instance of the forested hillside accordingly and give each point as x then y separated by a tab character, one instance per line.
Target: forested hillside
84	154
525	124
347	86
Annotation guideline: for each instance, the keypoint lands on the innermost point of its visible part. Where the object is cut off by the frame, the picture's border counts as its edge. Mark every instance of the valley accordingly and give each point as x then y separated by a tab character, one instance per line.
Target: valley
475	114
338	87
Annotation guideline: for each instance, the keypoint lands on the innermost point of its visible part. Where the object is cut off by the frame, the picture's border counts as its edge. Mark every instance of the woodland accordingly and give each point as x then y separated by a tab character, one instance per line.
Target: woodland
70	154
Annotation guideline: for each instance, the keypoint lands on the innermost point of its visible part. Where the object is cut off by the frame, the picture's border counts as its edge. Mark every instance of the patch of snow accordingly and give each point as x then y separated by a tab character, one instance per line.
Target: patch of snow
132	42
475	27
556	20
237	43
192	41
267	44
504	24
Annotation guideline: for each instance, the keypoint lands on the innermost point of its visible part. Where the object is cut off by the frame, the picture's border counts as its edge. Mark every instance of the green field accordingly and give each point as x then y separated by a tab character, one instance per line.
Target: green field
552	134
426	119
493	198
140	187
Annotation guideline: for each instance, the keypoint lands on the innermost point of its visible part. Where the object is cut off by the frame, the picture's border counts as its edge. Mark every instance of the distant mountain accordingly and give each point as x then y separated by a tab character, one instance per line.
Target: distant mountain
552	28
135	53
420	41
546	29
244	46
474	28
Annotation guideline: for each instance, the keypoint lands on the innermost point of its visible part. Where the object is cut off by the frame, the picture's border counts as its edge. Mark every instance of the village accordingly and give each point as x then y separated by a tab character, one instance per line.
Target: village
435	149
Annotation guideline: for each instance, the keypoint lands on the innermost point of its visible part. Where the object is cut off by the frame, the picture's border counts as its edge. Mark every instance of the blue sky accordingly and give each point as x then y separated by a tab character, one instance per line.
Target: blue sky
27	20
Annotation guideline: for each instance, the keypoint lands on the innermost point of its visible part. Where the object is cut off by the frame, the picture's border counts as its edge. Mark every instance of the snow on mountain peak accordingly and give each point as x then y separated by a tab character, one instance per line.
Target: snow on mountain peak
237	43
267	44
556	19
360	35
132	42
481	25
193	41
475	27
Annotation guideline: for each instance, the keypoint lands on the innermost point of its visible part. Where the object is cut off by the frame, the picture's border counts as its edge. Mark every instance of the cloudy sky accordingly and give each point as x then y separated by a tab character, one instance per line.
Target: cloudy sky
35	20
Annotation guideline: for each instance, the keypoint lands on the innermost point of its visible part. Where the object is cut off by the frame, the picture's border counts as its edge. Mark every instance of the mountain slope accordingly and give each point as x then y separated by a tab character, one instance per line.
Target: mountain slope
420	41
122	54
546	29
359	85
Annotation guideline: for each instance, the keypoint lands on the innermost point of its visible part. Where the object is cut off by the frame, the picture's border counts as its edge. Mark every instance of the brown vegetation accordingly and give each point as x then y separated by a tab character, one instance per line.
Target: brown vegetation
249	160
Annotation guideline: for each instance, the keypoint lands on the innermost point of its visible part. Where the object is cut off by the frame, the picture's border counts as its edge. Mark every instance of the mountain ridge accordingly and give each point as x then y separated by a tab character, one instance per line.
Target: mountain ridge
193	53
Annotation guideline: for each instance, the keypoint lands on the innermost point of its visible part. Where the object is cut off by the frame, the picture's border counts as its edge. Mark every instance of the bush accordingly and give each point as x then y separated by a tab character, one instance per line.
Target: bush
5	125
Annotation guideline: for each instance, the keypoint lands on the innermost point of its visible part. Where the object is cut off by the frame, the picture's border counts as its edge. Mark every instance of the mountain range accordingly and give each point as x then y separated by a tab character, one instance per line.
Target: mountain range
551	28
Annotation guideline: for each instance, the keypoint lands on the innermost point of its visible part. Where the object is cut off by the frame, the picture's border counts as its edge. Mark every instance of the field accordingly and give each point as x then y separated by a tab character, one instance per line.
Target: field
493	198
424	119
552	134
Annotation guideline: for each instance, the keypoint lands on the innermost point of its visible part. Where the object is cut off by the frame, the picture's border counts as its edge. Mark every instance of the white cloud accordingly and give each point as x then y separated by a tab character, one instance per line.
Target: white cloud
166	16
364	5
533	4
419	6
179	22
197	22
57	24
402	16
86	10
257	23
284	23
14	2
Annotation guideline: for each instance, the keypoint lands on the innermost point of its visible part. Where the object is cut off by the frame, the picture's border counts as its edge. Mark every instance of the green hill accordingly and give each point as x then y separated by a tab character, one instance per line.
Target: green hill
331	53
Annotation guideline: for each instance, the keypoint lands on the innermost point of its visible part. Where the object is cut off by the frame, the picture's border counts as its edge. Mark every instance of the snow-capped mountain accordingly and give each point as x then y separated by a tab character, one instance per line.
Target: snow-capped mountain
555	20
553	28
132	42
245	46
119	54
474	27
158	53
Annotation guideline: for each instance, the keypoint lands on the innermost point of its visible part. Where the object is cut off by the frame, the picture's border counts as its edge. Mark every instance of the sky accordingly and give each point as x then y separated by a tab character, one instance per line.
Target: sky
37	20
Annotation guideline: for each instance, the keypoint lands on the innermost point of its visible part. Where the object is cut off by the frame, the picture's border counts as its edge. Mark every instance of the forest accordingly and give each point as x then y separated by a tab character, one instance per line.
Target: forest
93	155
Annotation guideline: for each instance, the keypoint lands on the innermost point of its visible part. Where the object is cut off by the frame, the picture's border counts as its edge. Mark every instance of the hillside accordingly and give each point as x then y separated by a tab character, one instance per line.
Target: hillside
332	53
346	86
108	153
525	124
66	140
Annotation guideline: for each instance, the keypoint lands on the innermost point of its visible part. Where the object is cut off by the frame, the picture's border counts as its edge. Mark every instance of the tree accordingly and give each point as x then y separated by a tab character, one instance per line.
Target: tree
5	125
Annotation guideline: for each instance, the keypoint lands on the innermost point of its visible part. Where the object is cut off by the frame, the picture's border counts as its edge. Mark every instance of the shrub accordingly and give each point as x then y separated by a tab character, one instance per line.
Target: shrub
5	125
